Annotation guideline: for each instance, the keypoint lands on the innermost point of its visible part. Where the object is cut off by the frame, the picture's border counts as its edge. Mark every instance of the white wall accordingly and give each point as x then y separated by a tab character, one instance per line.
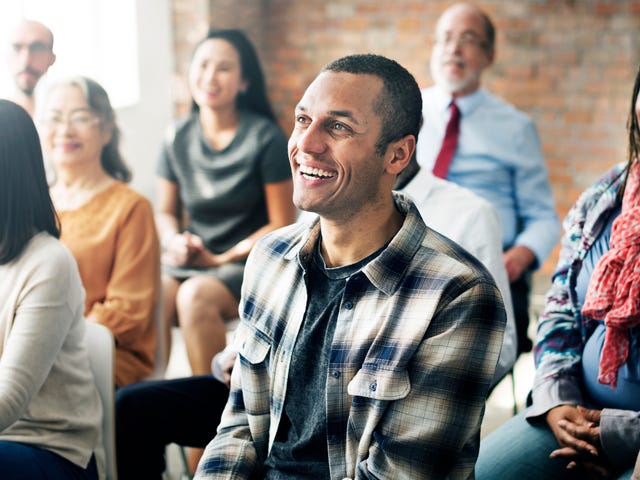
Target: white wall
143	125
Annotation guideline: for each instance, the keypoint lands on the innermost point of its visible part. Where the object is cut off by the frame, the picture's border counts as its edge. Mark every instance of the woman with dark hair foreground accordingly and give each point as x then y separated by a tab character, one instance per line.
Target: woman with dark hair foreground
50	411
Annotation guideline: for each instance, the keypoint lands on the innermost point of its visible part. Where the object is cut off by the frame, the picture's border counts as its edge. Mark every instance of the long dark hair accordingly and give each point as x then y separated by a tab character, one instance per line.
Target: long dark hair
25	205
255	98
633	129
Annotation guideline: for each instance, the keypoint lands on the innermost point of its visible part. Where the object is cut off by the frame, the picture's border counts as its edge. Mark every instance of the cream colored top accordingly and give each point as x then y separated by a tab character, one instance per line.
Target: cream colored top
48	397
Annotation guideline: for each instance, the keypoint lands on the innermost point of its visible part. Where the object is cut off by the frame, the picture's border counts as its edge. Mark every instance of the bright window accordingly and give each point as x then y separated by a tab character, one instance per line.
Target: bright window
95	38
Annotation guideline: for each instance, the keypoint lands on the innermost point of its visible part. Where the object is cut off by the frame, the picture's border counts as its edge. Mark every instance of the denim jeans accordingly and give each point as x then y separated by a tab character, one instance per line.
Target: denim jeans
519	450
19	461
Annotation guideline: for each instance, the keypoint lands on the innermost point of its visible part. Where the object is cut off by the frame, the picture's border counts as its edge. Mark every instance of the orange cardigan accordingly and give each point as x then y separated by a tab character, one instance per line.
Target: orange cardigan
115	243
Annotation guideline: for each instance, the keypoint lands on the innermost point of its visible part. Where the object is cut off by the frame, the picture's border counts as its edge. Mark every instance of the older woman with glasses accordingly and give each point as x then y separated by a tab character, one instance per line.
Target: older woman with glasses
108	227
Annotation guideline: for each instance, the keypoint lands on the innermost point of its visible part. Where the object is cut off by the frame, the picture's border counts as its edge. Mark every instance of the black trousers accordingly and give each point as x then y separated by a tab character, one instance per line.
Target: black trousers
520	293
150	415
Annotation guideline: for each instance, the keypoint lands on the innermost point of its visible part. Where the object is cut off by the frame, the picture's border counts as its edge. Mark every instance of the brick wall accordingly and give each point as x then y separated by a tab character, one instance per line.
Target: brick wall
570	64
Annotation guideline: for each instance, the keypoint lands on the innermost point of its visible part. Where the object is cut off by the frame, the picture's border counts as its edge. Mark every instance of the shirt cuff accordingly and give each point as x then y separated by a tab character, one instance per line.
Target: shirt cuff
551	393
620	435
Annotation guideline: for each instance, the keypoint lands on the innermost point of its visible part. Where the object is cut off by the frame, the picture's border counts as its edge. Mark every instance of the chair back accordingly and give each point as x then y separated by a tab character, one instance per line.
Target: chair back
160	353
102	359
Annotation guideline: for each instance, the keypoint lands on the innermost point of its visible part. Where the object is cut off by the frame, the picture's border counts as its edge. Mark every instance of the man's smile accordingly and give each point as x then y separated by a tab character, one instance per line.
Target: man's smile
315	172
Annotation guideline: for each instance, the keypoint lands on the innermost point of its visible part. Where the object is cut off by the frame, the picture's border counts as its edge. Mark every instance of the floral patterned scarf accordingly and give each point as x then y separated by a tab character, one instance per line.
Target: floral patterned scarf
614	287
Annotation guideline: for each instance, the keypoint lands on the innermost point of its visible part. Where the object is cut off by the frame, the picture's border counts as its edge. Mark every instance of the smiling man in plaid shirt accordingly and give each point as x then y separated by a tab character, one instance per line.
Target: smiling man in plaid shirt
367	341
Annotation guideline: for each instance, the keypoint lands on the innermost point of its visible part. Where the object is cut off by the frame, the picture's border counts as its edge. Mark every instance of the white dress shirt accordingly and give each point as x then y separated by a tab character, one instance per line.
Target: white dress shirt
473	223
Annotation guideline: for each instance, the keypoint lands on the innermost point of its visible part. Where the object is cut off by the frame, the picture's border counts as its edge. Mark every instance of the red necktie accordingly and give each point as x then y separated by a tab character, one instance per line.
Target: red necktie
449	144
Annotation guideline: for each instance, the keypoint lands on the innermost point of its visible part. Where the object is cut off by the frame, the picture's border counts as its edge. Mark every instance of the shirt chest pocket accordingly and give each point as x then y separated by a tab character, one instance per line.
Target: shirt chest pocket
380	384
252	344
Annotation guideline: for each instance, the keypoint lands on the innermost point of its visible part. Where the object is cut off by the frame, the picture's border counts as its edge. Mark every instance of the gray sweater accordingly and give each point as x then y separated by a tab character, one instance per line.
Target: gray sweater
47	394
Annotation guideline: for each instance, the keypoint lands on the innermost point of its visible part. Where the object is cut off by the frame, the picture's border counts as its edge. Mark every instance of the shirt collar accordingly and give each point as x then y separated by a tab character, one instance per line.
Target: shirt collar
466	104
387	270
421	185
302	248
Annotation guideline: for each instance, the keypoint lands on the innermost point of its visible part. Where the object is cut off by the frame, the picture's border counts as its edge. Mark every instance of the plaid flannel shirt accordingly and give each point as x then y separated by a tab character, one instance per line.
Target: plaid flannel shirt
415	347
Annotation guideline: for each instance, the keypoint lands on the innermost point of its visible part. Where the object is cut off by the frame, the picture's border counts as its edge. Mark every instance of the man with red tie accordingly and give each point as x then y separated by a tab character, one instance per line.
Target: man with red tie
479	141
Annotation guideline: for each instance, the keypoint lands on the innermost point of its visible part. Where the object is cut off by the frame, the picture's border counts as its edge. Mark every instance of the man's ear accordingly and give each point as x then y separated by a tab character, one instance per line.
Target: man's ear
399	154
491	55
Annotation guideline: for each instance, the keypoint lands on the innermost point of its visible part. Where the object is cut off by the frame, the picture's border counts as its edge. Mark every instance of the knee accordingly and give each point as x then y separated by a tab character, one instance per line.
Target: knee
196	294
131	405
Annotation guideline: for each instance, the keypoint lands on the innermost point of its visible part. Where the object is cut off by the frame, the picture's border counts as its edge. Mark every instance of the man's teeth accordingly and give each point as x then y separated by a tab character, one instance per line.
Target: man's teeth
315	172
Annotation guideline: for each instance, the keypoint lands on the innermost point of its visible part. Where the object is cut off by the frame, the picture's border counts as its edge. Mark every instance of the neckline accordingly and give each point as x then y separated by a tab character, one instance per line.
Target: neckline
93	198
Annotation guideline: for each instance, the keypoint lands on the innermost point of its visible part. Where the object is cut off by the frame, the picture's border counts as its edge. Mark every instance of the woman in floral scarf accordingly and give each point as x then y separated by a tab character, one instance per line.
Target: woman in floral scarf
584	420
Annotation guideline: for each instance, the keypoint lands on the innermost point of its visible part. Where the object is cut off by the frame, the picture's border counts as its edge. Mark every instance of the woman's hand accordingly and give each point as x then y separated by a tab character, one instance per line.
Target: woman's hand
182	248
577	430
187	249
205	258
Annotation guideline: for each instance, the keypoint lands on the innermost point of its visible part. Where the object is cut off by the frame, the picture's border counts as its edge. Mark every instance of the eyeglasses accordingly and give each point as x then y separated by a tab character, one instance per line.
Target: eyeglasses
35	48
466	40
80	121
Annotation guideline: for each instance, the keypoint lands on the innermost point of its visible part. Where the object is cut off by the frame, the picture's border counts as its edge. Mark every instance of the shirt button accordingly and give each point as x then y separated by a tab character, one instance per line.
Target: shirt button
373	387
348	305
335	374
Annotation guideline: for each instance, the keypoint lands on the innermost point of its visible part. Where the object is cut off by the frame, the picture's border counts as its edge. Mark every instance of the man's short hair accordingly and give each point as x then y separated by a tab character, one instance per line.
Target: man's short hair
489	31
400	104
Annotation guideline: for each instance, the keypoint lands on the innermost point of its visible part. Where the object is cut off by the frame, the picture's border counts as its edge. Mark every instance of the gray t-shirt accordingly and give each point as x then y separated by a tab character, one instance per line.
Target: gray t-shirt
300	447
223	190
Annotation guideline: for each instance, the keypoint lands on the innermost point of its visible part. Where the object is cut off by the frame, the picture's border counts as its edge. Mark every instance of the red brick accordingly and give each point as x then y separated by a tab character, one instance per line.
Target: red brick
569	64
